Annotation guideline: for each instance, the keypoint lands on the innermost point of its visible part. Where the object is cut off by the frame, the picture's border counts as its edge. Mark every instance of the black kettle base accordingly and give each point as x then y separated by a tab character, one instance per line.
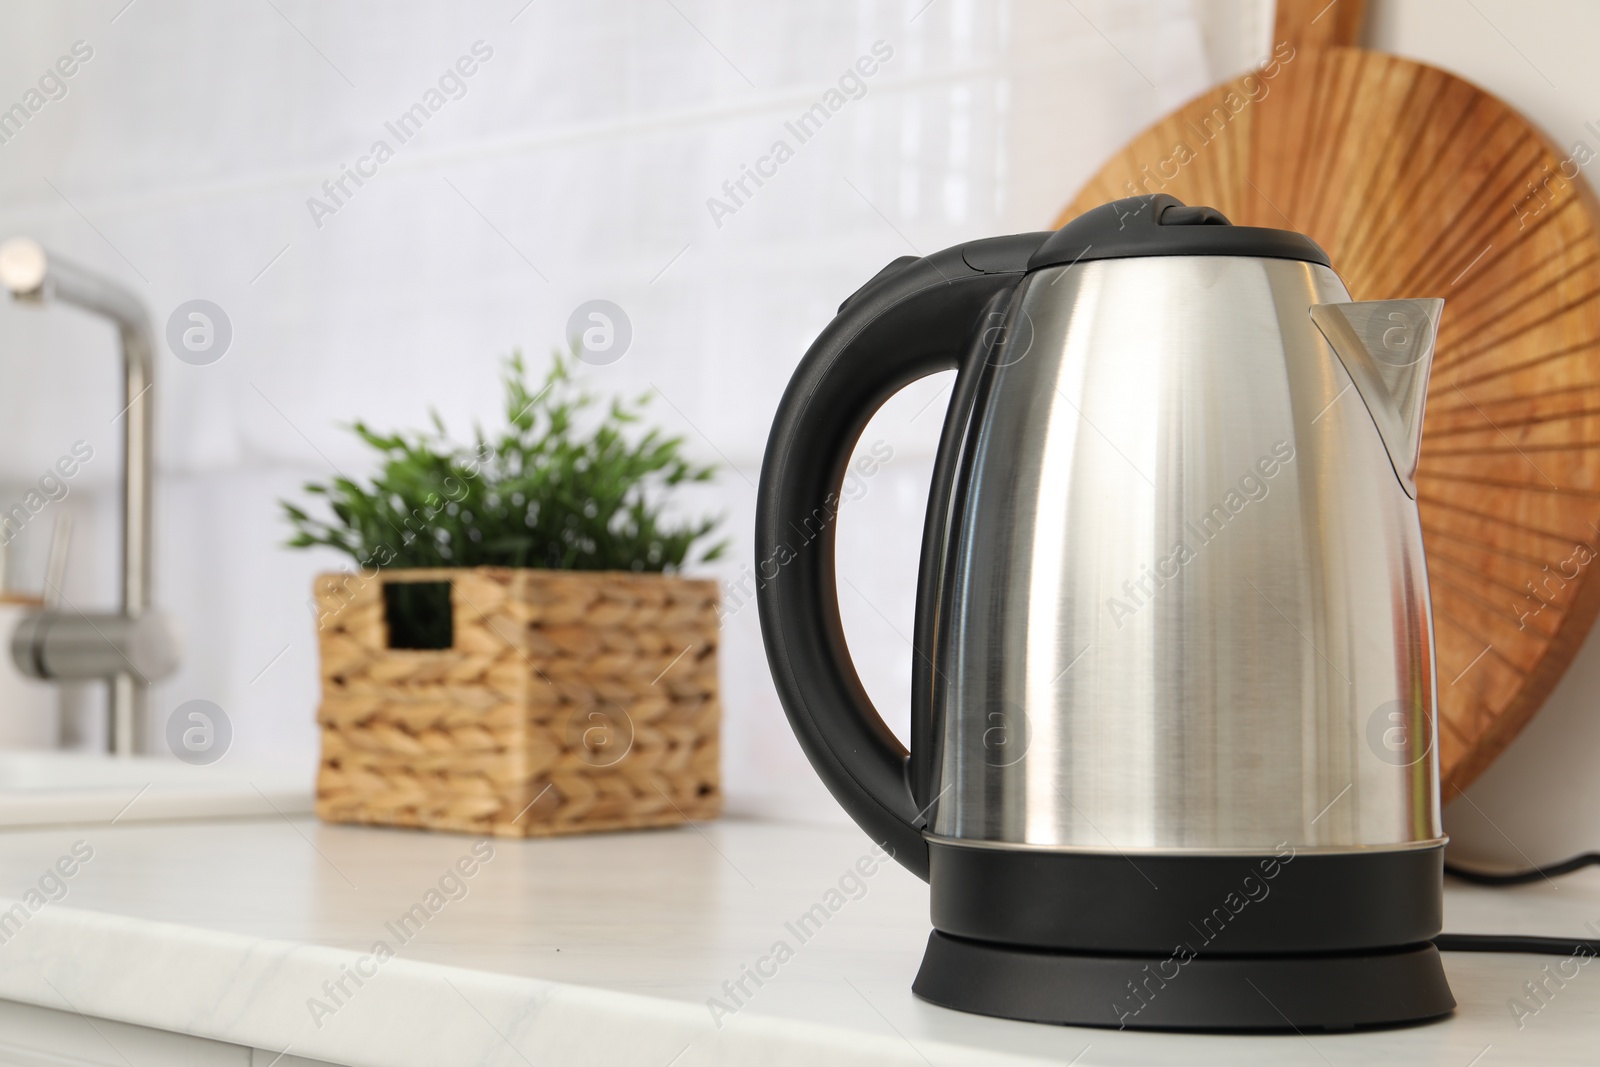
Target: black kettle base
1341	991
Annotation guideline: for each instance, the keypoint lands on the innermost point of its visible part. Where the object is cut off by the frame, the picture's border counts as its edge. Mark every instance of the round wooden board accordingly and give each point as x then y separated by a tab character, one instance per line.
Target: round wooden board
1420	184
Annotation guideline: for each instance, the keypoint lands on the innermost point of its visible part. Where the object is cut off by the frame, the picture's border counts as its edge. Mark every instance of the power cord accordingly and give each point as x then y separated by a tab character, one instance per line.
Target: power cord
1555	870
1539	946
1551	946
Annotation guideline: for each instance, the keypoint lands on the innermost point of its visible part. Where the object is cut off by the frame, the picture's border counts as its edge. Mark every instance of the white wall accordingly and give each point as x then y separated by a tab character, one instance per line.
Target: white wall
577	165
1541	800
181	159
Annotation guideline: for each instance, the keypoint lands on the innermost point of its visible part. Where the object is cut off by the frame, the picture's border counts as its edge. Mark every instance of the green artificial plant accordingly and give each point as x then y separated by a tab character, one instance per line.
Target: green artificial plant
568	484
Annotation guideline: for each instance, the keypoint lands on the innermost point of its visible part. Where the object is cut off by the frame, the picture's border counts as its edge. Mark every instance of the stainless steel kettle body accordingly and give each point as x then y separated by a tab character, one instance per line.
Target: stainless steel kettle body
1183	577
1174	695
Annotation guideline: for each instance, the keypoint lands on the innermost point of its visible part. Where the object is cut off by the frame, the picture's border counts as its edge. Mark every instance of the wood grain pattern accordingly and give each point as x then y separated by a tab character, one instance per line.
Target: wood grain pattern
569	702
1420	184
1319	23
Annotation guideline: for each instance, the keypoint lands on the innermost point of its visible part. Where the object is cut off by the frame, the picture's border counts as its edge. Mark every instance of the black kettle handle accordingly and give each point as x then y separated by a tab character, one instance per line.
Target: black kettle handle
916	317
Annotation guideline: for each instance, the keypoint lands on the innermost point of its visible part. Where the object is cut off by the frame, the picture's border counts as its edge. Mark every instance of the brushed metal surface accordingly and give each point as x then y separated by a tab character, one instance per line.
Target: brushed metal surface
1185	604
35	277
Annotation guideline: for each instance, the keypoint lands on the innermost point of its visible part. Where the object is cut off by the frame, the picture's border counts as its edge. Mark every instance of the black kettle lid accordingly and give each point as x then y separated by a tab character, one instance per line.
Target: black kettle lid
1162	225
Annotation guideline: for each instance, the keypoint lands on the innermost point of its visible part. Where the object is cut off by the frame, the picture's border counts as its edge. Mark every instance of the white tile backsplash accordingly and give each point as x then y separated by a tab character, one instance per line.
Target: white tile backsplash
577	165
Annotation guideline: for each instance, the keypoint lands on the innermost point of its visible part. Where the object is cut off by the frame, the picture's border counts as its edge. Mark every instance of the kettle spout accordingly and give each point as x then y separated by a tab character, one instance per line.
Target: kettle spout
1386	347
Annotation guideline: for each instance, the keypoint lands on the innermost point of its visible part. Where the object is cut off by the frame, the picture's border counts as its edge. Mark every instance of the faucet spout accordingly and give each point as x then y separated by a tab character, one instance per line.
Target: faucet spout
33	275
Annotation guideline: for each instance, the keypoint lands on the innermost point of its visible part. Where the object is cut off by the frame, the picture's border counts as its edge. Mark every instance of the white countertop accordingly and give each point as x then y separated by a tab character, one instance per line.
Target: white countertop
53	788
604	950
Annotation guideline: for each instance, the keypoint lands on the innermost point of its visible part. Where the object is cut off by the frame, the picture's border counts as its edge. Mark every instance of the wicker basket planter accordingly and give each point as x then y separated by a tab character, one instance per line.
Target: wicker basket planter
565	702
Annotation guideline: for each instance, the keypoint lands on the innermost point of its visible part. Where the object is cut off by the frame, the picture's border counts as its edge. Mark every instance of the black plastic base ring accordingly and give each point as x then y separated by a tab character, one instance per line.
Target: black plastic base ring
1109	903
1240	993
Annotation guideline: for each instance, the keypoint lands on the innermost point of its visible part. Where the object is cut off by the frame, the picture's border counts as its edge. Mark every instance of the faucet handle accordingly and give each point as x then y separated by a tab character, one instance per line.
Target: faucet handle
55	566
76	646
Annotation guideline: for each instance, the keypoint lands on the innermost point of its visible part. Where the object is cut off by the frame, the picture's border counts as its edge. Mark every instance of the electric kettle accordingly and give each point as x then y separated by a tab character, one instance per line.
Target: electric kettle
1172	757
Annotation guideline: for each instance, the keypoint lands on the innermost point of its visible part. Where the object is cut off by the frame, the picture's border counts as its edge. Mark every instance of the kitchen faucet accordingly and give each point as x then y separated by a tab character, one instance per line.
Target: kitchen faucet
137	645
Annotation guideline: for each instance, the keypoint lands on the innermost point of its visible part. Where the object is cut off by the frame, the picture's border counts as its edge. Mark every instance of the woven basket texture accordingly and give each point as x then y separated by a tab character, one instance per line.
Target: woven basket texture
568	702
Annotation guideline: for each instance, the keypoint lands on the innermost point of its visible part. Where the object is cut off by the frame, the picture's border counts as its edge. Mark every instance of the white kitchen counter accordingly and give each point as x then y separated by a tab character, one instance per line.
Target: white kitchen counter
604	950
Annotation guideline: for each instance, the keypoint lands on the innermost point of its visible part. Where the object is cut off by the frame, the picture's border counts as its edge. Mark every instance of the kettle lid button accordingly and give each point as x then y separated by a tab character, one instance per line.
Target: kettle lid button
1185	215
1160	224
